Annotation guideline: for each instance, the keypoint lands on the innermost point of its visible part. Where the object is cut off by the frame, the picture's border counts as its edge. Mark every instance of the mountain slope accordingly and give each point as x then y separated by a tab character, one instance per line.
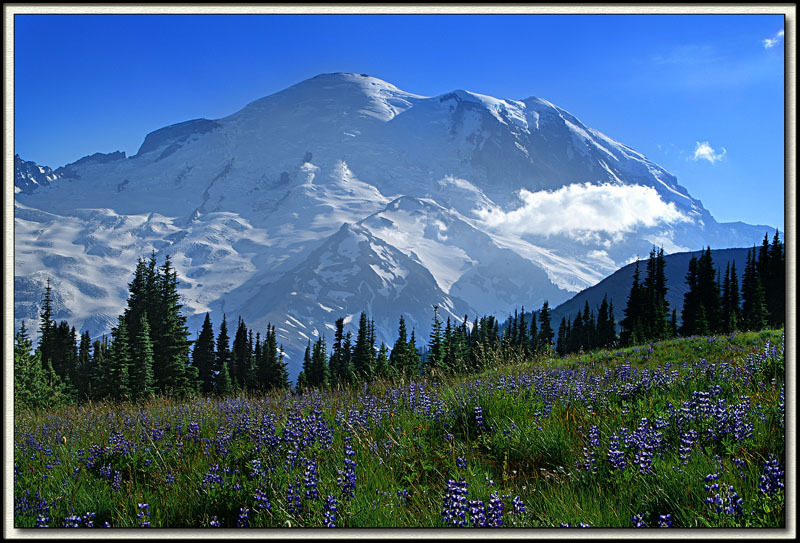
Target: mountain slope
486	204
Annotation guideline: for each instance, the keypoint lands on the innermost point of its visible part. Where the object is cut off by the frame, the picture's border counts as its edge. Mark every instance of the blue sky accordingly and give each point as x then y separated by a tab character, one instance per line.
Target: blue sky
701	95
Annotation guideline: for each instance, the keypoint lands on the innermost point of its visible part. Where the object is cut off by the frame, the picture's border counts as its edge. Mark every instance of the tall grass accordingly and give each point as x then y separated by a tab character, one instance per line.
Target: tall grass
683	433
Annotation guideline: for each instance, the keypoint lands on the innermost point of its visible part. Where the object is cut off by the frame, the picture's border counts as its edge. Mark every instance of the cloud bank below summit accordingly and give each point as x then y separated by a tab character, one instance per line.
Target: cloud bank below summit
584	211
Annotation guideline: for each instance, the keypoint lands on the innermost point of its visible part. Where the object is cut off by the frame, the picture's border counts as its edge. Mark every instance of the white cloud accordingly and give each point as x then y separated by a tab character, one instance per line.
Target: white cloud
584	211
769	43
704	151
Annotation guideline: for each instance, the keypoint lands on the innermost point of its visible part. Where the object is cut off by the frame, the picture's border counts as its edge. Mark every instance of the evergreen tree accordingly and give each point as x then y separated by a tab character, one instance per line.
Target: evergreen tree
435	357
240	357
561	341
632	325
317	374
575	334
414	361
606	327
691	301
118	363
363	351
47	327
382	361
170	337
305	377
523	341
341	361
754	310
731	304
403	359
589	328
222	383
99	388
204	356
673	324
775	283
545	330
223	361
654	306
36	386
142	382
708	291
64	358
533	336
84	365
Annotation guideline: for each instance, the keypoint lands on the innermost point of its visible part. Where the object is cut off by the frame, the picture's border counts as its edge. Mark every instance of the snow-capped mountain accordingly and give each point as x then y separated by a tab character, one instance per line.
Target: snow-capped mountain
344	194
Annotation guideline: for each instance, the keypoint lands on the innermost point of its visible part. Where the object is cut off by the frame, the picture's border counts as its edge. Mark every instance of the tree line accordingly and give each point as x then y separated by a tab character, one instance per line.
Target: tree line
149	351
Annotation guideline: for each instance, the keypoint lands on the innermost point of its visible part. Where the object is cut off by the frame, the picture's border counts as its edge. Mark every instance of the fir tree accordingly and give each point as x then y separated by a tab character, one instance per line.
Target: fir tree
223	361
533	336
775	289
545	330
606	327
435	357
47	328
98	386
240	357
731	304
222	383
36	386
118	363
340	362
708	291
84	365
561	341
203	356
318	374
142	382
382	361
754	310
170	337
691	301
363	351
632	325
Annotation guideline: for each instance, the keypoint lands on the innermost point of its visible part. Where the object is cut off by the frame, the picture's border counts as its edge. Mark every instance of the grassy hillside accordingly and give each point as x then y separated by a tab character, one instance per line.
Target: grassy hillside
685	433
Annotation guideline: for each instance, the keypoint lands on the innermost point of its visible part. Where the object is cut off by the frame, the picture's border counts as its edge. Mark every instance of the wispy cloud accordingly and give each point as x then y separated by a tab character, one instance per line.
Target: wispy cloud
769	43
585	211
704	151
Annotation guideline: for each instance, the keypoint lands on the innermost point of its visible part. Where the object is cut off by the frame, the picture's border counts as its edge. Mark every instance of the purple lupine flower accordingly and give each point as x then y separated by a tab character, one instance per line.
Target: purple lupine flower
771	482
403	496
330	510
615	456
310	480
454	508
477	513
215	522
665	521
262	501
479	418
518	506
295	505
494	511
638	521
347	476
117	482
143	515
461	462
72	520
244	518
